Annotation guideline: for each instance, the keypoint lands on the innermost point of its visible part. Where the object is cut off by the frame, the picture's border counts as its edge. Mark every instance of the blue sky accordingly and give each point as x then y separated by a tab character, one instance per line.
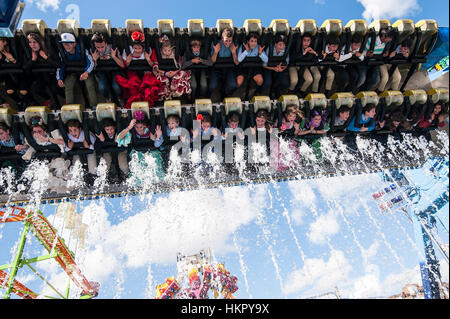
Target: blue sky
286	240
210	11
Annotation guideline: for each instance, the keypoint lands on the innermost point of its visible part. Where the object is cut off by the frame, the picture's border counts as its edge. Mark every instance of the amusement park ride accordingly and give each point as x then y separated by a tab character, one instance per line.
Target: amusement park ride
403	194
40	227
197	276
189	285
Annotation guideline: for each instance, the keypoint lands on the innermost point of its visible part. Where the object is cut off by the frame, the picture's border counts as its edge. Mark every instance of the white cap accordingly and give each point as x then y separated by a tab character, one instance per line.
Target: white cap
67	38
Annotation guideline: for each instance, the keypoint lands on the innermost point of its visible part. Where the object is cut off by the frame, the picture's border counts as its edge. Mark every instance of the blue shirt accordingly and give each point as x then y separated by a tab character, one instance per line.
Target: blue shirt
351	126
11	143
243	53
60	72
274	53
224	52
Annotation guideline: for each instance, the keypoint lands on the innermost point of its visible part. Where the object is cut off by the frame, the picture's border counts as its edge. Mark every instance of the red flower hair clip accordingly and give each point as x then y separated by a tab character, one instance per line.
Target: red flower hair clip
139	116
199	117
137	36
163	39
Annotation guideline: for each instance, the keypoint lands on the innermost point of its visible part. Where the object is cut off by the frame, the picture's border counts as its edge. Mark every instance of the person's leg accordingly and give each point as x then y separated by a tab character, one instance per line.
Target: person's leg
293	77
282	78
373	79
123	163
362	76
267	82
117	90
203	84
103	85
108	159
384	77
330	79
353	78
214	76
69	85
92	163
231	84
316	76
91	91
194	84
307	80
395	80
343	77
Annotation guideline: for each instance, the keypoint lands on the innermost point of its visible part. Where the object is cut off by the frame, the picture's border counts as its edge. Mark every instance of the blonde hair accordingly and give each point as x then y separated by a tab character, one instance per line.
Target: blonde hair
168	44
294	109
173	117
195	42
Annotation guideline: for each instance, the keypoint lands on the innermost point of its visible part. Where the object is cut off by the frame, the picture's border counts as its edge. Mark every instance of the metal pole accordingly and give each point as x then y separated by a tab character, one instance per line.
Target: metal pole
16	263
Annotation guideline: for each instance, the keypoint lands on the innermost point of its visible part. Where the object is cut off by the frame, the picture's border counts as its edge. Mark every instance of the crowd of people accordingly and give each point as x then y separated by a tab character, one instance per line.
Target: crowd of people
194	74
170	69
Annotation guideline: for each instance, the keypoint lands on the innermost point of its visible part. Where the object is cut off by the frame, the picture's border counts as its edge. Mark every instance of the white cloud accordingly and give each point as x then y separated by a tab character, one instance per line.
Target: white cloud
183	222
43	5
318	275
381	9
322	228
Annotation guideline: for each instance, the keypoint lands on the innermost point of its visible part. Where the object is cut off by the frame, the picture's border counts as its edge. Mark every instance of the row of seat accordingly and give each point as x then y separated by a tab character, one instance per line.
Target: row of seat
386	102
423	34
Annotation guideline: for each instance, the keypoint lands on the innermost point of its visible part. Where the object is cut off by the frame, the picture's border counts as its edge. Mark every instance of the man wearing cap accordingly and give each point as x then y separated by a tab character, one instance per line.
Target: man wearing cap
67	80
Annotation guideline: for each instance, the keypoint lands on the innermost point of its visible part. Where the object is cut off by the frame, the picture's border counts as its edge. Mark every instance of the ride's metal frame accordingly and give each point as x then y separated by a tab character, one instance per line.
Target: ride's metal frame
46	234
423	224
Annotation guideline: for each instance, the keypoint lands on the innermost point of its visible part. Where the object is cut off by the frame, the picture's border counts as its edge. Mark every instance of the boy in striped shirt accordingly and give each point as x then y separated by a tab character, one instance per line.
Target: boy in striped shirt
384	37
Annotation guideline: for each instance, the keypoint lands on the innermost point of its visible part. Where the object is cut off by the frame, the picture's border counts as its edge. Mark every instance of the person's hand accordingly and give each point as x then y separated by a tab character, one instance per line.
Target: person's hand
70	144
233	47
113	52
100	137
246	46
441	118
324	54
9	56
217	48
382	124
61	83
369	53
132	123
260	50
148	57
19	148
95	55
43	55
196	60
336	55
358	54
158	131
363	129
84	76
129	59
278	68
405	52
392	54
85	144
